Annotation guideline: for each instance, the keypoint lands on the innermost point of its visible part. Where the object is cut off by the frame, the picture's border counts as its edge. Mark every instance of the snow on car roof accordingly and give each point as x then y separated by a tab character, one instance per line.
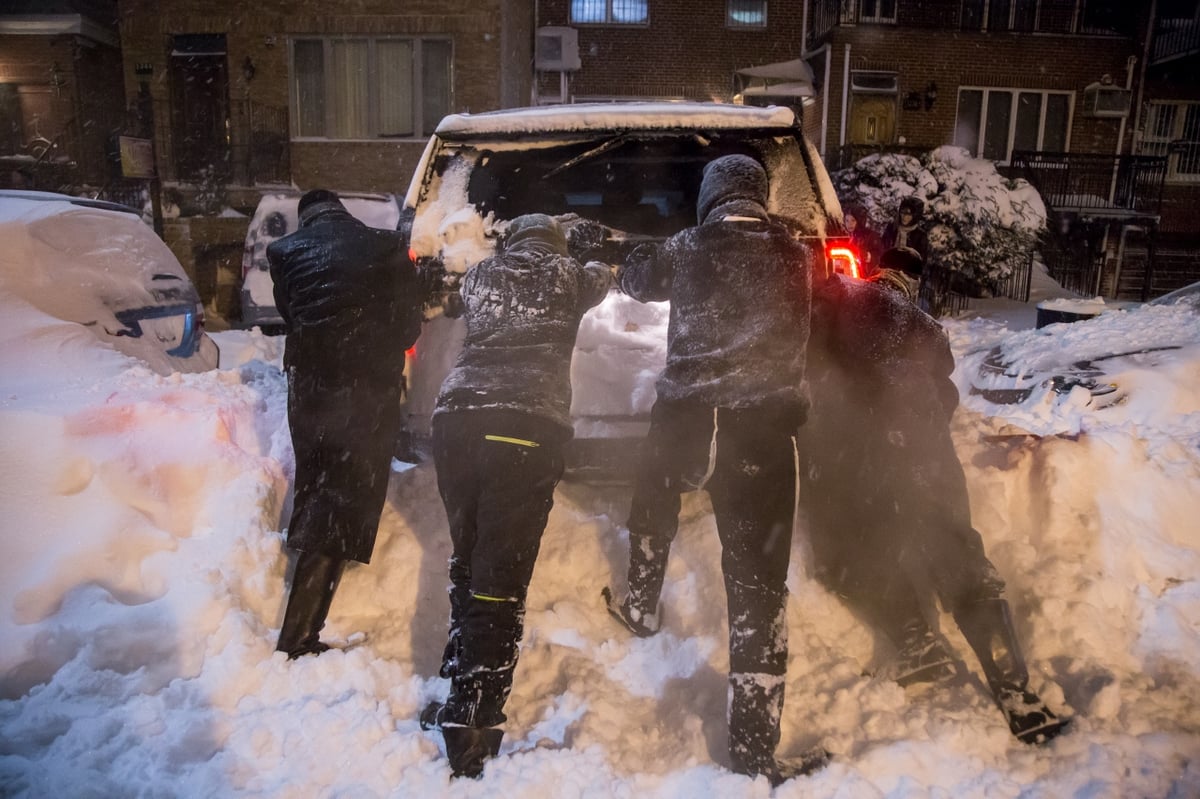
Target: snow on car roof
16	204
617	116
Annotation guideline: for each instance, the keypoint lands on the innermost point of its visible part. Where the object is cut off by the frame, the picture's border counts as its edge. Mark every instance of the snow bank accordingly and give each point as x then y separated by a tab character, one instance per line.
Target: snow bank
143	580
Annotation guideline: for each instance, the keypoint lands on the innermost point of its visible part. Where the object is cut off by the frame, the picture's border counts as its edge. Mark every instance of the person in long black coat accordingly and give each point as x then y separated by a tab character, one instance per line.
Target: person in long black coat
729	401
350	298
885	497
500	425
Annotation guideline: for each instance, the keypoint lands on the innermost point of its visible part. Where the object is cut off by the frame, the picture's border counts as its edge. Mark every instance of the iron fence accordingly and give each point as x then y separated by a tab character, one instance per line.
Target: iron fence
1174	38
1116	185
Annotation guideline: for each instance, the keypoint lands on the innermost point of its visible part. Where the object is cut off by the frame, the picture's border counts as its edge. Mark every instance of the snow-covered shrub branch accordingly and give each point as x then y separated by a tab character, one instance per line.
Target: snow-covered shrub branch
979	222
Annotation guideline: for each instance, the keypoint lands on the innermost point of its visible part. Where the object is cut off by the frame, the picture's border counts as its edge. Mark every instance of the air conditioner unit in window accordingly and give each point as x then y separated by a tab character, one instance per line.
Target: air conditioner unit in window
557	50
1105	100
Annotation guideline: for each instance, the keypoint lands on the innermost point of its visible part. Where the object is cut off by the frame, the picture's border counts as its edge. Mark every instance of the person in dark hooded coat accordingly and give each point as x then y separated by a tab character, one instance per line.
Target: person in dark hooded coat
729	402
500	425
885	496
350	299
907	230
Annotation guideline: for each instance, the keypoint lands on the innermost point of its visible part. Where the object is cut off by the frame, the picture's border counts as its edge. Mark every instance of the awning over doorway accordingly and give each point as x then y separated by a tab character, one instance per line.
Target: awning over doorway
790	81
790	71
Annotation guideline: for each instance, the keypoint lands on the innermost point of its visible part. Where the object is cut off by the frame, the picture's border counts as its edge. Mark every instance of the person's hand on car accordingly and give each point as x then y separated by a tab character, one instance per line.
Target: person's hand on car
583	235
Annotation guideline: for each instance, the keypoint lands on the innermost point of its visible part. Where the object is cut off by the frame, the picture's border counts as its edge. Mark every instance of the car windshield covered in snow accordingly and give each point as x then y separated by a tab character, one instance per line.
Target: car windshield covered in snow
97	264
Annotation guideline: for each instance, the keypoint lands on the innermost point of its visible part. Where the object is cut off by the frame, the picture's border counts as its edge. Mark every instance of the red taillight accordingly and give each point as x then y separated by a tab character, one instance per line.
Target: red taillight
410	353
412	255
845	260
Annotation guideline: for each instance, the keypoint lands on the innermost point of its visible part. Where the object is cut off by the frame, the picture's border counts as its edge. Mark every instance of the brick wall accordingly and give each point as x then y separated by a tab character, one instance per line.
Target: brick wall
80	113
474	26
961	58
685	51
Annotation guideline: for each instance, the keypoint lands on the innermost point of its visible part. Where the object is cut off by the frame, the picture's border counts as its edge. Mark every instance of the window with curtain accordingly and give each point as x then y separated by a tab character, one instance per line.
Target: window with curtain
610	12
369	87
1173	130
991	123
746	14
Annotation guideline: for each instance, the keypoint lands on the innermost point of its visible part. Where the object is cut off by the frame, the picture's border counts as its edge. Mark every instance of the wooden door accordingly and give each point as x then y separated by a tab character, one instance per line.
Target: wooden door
873	119
200	95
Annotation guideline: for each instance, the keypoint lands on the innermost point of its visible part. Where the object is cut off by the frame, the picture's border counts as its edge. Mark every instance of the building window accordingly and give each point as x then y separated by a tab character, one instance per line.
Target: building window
609	12
369	88
1173	130
877	11
1051	16
746	14
992	123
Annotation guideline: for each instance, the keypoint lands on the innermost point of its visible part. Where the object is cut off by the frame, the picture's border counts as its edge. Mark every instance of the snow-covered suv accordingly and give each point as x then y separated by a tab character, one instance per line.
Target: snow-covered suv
635	168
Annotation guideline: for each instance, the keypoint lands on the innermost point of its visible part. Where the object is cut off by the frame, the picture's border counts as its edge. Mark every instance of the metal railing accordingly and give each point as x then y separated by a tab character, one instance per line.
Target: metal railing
1124	185
1174	38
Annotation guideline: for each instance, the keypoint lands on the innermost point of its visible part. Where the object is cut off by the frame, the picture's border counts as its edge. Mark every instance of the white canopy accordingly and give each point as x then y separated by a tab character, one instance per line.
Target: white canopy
795	70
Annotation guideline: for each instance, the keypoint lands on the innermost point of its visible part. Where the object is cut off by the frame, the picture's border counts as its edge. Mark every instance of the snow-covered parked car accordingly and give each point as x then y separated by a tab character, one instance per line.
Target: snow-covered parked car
275	217
634	168
1077	361
97	264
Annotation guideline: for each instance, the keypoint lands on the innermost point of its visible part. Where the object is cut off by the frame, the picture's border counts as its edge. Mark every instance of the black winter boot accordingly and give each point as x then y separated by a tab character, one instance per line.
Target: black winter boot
987	626
755	707
314	582
468	748
639	610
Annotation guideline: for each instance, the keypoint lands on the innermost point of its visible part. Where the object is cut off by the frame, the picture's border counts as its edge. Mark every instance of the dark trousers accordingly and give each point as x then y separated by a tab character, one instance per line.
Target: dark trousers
745	459
752	486
496	475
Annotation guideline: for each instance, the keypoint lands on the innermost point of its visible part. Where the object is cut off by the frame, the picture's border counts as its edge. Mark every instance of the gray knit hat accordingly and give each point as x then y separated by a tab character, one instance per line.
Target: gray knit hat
731	177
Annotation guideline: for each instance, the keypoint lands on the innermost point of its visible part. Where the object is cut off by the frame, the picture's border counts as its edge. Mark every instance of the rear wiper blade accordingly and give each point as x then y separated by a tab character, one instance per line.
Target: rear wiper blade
599	149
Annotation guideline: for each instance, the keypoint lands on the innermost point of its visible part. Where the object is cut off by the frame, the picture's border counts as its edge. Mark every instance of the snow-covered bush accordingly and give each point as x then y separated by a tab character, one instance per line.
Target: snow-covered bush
979	222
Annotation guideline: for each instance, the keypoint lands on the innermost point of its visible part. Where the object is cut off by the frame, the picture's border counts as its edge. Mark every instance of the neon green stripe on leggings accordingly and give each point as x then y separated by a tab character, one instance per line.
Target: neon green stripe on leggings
486	598
507	440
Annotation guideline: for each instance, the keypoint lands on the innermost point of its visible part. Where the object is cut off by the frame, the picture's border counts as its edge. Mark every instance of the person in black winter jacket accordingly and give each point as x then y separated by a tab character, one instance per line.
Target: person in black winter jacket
885	495
499	428
729	402
350	299
907	230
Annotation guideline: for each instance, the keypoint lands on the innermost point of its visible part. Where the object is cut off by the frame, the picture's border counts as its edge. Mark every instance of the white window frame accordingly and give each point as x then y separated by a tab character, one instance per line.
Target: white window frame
1016	93
422	128
608	15
732	24
862	17
1150	143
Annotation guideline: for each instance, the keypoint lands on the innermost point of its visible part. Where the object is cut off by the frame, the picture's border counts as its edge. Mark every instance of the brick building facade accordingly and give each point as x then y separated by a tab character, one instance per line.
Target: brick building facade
294	90
61	99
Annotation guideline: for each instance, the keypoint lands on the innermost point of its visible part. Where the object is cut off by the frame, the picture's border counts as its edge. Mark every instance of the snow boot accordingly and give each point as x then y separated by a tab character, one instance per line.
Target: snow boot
922	657
467	748
314	582
755	707
643	625
987	626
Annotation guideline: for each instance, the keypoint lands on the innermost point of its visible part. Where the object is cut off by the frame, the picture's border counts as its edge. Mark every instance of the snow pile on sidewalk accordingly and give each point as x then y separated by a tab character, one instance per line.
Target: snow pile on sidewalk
142	585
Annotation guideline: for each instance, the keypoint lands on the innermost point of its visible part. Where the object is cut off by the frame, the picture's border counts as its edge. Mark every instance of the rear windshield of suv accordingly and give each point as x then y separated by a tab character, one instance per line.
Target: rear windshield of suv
643	184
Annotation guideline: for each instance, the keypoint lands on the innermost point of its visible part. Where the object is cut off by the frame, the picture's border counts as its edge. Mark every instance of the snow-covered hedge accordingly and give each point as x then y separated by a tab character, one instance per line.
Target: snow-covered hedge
979	222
